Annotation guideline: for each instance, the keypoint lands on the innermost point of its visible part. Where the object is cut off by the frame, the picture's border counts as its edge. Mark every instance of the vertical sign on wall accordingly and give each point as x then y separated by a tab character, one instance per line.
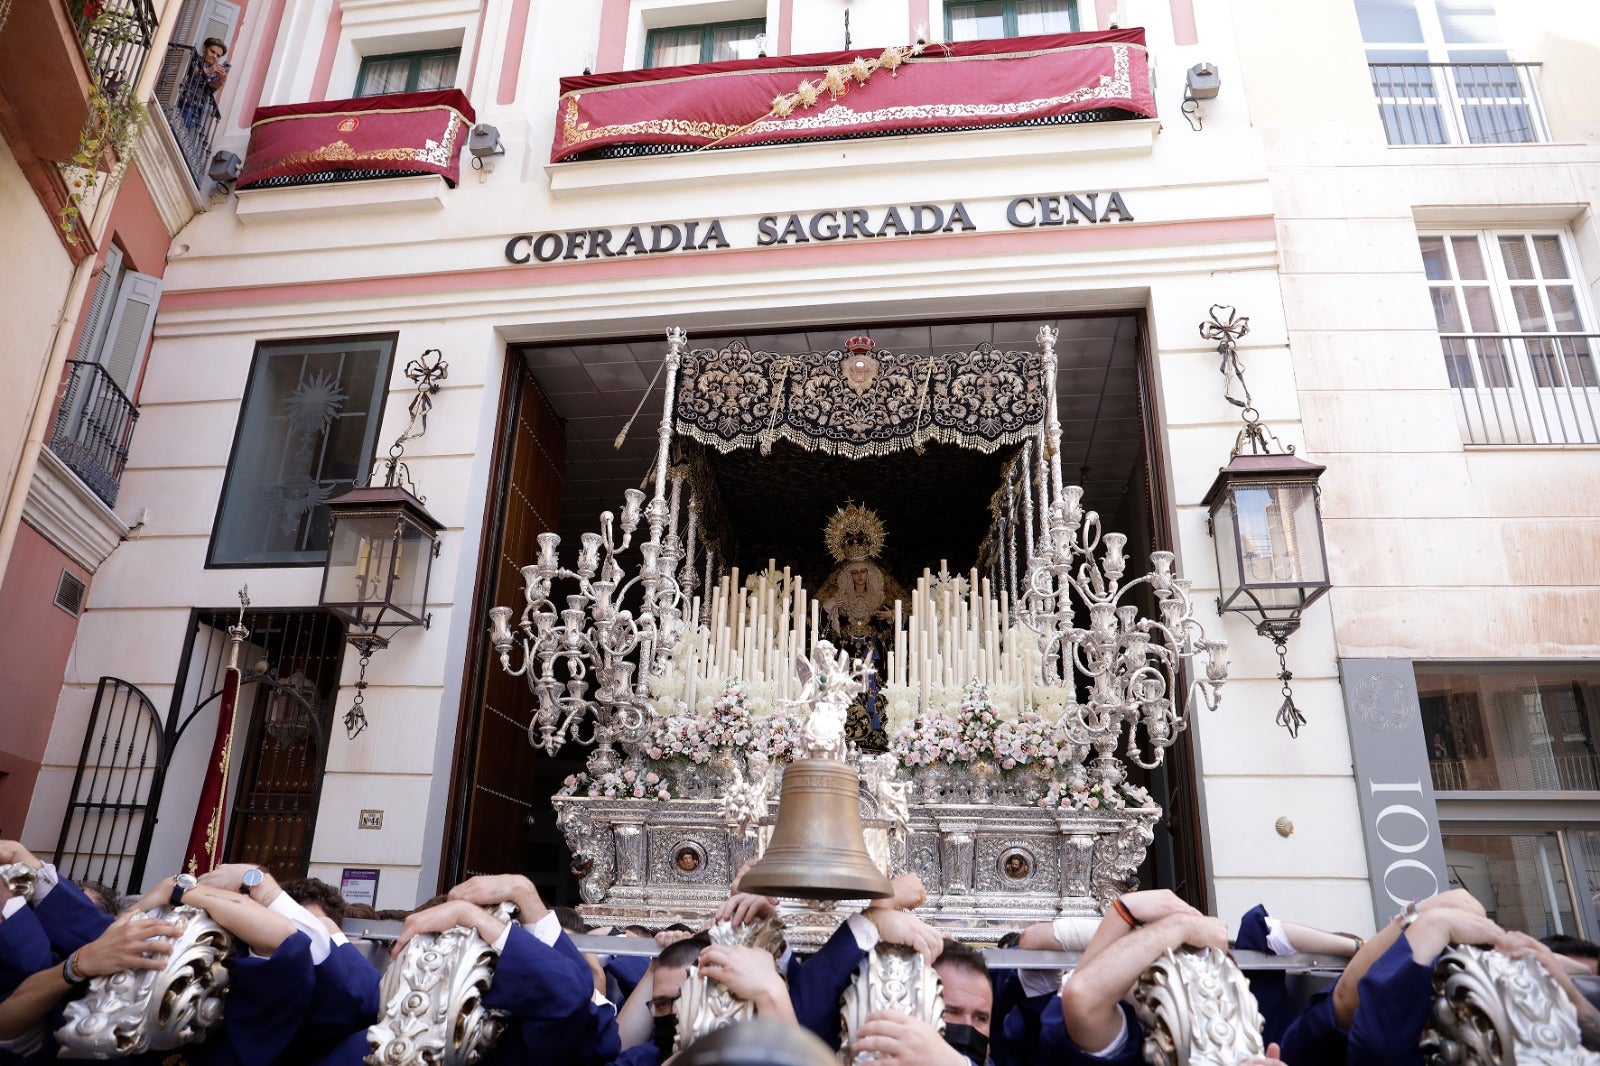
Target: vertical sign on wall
1398	814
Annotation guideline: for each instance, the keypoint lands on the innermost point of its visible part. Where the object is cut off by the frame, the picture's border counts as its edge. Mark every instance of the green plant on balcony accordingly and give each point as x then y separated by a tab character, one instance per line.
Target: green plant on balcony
115	121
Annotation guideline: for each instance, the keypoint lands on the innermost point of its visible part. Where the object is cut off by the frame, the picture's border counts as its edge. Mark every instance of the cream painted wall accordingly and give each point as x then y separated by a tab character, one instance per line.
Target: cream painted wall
38	280
432	259
1436	549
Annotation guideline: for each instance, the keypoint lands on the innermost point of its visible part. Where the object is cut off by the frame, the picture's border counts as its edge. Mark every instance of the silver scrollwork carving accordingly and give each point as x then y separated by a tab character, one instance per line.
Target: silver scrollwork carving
706	1005
1197	1010
891	977
432	995
1489	1009
134	1011
19	879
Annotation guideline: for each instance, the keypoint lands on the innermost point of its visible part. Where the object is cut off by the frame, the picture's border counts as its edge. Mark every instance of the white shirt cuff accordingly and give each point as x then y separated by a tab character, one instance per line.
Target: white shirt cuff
864	931
307	923
44	879
12	906
1039	982
1278	941
499	944
547	929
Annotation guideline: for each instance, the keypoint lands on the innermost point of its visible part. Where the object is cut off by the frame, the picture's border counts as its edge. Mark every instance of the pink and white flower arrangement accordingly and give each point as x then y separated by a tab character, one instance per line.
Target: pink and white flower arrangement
930	738
626	783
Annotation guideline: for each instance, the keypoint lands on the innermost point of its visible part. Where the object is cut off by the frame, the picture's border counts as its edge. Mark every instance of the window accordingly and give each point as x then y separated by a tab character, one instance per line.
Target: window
1442	74
711	42
1514	752
306	433
988	20
408	72
1511	317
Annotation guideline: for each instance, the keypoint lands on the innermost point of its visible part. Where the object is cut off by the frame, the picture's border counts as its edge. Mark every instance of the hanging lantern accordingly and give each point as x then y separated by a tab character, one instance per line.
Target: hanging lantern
380	556
1267	526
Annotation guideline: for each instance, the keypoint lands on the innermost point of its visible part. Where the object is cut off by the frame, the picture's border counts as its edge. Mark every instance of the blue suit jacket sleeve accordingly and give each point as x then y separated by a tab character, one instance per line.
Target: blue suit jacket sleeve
1016	1032
1059	1049
1314	1038
818	982
548	991
1271	988
1396	995
267	1001
69	919
345	999
628	970
24	950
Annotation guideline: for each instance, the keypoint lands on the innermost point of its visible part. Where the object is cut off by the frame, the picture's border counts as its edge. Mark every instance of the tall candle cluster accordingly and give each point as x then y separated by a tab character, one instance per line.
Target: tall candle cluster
951	631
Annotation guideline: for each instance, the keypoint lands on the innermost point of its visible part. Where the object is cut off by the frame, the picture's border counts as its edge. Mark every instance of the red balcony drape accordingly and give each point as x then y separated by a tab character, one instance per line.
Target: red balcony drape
946	87
405	132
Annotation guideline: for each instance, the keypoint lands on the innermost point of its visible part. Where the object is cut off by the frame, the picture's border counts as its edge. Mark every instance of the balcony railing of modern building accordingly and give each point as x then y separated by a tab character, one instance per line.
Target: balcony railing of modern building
189	106
93	428
1460	103
116	36
1520	388
1528	773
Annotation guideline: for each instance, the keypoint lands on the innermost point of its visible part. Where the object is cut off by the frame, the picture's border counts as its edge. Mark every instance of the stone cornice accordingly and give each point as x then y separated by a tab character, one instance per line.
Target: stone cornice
71	517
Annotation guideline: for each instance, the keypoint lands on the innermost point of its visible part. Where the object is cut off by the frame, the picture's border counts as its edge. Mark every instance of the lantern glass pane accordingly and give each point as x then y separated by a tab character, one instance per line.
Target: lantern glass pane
410	592
1227	540
358	564
1280	541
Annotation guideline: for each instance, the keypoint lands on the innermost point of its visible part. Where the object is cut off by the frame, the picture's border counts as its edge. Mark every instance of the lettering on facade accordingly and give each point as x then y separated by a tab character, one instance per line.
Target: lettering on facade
834	224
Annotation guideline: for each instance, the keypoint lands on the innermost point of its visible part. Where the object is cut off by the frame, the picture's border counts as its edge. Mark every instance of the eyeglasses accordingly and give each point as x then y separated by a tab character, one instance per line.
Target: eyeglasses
661	1006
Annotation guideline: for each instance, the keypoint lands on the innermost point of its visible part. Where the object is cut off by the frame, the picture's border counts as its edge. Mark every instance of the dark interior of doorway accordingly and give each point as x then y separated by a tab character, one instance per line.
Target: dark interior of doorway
935	506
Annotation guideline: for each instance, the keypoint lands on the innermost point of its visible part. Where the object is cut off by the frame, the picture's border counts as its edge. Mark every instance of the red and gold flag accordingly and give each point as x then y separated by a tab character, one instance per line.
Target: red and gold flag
204	852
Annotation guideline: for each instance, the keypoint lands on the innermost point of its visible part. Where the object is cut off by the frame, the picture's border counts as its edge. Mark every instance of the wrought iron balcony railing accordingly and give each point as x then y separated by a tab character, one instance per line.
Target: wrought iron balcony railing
1459	103
116	36
1538	388
94	425
191	108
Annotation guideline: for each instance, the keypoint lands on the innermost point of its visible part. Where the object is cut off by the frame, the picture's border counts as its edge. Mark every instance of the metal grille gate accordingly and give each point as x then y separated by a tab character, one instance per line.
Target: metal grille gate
120	770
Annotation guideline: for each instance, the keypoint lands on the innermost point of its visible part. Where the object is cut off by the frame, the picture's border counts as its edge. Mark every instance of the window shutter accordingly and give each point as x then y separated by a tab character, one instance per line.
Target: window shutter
128	333
211	18
94	321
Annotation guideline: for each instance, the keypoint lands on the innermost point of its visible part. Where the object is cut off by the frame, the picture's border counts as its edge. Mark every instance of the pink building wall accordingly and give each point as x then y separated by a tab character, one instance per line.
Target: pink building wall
35	640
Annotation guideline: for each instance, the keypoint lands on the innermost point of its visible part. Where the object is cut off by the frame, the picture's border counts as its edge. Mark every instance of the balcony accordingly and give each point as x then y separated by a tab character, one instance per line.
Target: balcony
1060	79
397	135
191	109
1537	389
116	36
1459	103
94	425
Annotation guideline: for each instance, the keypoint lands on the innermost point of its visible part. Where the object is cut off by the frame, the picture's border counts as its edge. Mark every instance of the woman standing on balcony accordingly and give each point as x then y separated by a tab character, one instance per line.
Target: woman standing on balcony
212	65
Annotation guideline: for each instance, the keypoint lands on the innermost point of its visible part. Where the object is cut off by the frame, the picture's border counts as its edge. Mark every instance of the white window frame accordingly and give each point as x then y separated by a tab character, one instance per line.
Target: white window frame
647	15
1521	391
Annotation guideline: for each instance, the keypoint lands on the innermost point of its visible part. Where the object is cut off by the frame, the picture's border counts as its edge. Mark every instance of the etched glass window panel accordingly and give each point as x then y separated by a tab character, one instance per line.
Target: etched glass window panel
1480	309
1435	264
1515	254
1530	309
304	437
1446	312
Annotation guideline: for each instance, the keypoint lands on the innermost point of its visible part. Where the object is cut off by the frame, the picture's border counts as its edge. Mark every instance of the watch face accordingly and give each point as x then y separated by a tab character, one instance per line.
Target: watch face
187	881
251	879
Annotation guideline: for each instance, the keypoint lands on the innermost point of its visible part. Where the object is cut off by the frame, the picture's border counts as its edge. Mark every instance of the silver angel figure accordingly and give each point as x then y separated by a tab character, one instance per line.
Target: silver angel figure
134	1011
891	977
432	995
830	685
1489	1008
745	802
705	1005
1197	1010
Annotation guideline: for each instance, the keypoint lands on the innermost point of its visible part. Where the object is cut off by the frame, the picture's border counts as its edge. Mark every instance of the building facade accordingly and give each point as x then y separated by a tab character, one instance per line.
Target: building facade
1334	195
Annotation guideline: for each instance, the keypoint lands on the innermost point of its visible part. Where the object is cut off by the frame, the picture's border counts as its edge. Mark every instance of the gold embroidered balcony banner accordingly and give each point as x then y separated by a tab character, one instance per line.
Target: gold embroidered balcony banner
1022	80
860	403
407	133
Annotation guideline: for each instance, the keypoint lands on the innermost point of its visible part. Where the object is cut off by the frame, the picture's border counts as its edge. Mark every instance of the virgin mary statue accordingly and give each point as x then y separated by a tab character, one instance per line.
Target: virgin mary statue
858	599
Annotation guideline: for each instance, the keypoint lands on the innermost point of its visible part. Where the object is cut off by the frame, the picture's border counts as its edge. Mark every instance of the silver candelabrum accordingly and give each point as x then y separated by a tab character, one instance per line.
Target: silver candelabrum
609	624
1132	665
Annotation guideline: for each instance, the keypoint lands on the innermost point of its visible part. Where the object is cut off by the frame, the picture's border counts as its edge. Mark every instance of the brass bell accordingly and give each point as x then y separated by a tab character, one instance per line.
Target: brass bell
817	850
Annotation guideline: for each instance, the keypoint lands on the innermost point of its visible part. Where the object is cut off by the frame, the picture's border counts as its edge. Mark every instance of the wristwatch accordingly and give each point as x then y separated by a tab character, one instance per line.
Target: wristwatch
250	879
181	884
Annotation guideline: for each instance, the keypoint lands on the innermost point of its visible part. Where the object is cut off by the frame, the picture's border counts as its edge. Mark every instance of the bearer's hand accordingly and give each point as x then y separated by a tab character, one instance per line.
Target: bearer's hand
903	927
448	916
127	945
902	1040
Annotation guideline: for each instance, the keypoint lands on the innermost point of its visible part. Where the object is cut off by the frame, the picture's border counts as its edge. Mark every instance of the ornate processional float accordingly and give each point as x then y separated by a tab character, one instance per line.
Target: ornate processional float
998	710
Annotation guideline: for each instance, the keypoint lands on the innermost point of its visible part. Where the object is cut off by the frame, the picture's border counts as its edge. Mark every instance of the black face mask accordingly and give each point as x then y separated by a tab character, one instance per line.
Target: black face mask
664	1033
967	1040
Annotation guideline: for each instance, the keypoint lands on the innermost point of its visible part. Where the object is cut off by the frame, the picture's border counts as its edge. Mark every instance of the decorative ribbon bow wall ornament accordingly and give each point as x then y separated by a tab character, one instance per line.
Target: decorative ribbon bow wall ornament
1226	333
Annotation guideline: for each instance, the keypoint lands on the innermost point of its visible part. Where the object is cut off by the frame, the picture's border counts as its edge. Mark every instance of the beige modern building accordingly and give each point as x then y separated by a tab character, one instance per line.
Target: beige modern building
1333	194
